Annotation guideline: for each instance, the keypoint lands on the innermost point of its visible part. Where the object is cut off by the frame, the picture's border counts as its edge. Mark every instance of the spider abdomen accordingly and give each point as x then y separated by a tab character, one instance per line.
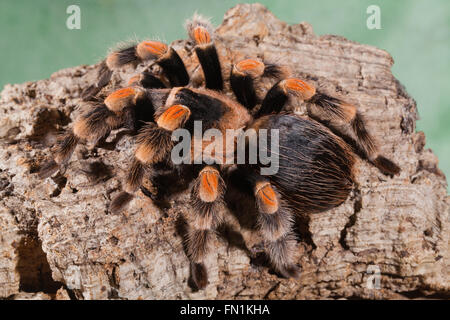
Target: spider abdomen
315	170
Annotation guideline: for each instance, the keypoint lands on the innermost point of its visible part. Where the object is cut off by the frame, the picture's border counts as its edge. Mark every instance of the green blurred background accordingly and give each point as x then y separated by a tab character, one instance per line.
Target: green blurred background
35	41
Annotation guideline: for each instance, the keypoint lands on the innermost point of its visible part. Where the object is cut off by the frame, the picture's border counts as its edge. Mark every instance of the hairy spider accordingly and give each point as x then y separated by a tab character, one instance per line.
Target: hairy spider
316	165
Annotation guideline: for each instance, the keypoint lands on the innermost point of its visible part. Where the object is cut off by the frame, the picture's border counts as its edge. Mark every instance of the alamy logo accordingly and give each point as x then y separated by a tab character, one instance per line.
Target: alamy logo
74	20
374	278
236	147
374	20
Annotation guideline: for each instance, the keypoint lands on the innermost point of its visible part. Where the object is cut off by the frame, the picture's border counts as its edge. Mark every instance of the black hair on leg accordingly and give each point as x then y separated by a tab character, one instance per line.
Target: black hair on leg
346	119
206	201
274	101
150	81
207	55
244	90
245	73
174	68
275	223
200	31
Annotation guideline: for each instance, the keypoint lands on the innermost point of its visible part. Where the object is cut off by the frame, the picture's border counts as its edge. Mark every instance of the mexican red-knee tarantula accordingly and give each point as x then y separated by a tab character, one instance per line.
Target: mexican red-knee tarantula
316	166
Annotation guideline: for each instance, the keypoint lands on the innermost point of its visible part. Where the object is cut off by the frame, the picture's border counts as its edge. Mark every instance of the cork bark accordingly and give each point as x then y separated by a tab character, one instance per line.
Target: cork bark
59	241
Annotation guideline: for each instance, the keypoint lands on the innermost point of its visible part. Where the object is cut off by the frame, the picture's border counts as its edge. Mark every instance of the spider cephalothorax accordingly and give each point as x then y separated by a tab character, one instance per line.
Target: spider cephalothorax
315	166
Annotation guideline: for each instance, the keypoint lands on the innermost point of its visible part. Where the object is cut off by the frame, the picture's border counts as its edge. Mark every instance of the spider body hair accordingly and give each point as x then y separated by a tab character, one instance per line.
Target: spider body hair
154	141
315	166
316	163
339	115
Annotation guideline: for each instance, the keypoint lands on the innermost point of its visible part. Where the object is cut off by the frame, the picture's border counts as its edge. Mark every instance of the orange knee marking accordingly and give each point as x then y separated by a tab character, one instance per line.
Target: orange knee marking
173	117
250	66
300	87
267	199
134	79
151	49
201	35
120	99
209	183
122	93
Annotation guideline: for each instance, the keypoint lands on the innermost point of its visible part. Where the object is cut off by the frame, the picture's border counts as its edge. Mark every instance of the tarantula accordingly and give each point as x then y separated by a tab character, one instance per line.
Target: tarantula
316	150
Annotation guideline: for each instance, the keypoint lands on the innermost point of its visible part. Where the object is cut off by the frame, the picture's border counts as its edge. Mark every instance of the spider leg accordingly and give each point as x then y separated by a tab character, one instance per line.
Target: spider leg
146	80
349	121
200	30
127	107
104	75
154	144
279	94
114	61
174	68
243	75
341	116
137	105
166	57
206	201
275	223
241	80
91	126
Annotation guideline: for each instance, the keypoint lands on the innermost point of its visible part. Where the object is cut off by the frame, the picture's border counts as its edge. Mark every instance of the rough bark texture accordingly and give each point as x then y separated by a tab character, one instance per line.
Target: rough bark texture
58	233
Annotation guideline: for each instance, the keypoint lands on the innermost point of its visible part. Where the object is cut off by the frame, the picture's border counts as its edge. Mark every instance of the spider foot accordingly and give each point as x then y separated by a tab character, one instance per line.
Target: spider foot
199	276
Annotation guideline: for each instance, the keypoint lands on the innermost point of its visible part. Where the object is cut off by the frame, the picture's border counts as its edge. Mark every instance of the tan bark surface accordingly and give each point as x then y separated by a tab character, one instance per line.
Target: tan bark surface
58	233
